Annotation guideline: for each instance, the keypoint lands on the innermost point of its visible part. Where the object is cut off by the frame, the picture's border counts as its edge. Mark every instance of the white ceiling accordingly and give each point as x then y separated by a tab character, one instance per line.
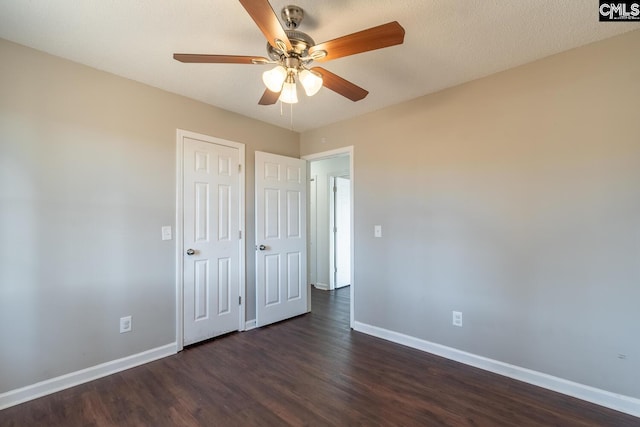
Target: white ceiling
447	42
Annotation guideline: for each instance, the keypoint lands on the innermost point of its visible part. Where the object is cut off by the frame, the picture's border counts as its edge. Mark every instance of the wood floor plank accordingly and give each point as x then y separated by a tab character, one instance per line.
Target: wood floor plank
311	370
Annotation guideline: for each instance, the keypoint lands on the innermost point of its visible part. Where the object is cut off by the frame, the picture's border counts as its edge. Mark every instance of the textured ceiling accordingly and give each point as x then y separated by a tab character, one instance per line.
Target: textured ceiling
447	42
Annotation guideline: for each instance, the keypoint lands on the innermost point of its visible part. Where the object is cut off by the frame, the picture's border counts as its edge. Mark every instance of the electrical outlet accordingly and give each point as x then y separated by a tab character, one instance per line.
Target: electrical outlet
457	318
377	231
125	324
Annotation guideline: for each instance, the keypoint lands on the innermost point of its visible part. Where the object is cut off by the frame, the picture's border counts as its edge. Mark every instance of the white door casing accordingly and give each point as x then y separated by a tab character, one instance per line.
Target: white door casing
348	151
211	249
312	258
281	238
342	230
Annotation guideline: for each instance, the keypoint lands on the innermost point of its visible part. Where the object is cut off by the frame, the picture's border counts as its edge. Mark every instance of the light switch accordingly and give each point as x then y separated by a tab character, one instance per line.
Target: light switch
166	232
377	231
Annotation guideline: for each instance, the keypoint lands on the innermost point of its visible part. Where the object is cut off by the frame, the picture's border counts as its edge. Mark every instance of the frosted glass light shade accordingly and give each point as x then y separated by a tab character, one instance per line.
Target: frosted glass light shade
288	93
274	78
311	82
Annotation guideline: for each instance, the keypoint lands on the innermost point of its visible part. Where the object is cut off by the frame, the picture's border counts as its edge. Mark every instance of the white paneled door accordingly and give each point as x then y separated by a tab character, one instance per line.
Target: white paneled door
281	242
211	249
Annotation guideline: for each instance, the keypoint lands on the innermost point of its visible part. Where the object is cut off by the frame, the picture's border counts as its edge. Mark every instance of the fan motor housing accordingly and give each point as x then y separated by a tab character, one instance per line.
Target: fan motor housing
301	42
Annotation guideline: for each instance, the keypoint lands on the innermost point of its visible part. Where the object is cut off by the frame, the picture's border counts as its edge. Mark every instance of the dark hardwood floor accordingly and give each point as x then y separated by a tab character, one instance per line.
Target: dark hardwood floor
310	370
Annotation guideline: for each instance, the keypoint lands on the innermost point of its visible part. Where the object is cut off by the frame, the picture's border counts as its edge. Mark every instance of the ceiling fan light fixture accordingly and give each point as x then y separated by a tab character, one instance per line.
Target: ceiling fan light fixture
274	78
311	81
293	50
289	94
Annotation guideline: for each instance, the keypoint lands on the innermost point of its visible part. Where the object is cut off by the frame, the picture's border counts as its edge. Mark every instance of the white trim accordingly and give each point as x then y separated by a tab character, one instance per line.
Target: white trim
243	234
619	402
250	324
331	195
322	286
180	135
43	388
179	240
327	155
312	226
338	152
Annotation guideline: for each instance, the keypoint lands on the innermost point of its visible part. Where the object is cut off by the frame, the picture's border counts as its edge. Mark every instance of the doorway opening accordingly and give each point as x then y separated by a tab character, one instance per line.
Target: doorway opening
330	222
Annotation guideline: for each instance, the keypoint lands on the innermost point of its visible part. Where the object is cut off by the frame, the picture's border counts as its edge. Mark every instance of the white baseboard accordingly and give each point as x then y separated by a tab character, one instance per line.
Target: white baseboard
322	286
619	402
250	324
34	391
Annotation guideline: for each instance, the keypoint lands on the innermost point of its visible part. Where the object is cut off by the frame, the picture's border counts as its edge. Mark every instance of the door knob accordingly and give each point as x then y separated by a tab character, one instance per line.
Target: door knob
262	247
190	252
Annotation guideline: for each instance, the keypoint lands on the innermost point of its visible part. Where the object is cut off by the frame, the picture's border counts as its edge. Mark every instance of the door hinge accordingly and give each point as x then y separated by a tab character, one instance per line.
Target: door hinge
239	300
335	189
240	234
239	168
335	229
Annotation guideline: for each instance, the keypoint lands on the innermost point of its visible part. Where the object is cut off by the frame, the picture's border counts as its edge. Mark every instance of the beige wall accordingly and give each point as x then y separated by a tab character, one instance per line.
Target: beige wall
516	200
87	178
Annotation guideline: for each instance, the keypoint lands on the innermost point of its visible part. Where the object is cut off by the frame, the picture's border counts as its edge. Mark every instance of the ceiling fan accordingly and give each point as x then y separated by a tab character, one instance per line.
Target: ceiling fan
292	52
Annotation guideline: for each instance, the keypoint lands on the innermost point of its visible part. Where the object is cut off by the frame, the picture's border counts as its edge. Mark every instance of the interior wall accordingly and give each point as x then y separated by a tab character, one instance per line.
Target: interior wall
87	179
322	170
516	200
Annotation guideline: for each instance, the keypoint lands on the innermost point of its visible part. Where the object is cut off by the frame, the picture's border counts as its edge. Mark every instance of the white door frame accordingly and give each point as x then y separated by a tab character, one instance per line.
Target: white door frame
180	135
327	155
312	242
333	277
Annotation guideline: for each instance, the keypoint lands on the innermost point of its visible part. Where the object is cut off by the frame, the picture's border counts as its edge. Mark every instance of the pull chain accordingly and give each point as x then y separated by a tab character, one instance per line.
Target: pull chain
290	113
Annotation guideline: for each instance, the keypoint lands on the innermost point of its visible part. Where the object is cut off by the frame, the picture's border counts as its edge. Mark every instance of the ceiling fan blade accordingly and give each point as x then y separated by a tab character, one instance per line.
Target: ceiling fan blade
389	34
340	85
269	98
266	19
216	59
